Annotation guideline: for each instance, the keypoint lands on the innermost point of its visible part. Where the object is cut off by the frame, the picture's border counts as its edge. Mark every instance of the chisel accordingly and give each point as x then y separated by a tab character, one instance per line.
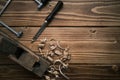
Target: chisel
48	20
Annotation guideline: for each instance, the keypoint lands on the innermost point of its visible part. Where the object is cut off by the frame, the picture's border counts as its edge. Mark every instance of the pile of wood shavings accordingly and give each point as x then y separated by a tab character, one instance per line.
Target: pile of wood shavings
58	56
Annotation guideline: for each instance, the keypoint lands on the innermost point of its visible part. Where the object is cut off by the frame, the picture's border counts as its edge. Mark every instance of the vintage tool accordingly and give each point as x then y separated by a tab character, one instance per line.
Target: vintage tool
41	3
22	55
48	20
5	6
18	34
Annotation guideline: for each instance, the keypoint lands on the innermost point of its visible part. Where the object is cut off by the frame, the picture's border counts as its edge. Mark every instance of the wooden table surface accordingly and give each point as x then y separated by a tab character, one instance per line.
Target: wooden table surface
90	27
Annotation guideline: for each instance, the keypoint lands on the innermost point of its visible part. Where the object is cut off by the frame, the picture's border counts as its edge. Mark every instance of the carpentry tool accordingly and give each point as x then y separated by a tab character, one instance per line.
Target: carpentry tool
22	55
18	34
48	19
5	6
41	3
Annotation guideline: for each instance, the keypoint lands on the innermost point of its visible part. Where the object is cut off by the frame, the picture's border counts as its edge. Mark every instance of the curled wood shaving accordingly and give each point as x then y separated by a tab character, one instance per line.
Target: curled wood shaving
57	55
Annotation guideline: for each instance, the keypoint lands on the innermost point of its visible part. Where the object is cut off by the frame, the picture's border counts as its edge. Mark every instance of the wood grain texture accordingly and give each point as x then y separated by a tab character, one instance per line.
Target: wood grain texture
77	72
70	33
87	45
90	27
94	51
74	13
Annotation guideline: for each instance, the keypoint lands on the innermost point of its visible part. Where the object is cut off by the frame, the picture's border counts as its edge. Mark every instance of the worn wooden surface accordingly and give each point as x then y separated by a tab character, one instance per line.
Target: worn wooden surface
90	27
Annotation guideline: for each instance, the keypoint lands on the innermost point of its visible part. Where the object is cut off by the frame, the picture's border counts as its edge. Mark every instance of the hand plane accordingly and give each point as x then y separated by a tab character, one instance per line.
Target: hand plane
22	55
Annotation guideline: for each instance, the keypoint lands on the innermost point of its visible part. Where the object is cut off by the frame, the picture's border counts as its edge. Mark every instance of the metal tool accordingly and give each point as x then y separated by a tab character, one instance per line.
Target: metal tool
18	34
41	3
48	19
6	5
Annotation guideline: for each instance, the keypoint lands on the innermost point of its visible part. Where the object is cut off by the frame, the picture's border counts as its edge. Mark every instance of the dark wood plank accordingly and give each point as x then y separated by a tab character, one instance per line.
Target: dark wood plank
81	24
5	60
74	13
111	34
15	72
87	45
80	58
79	72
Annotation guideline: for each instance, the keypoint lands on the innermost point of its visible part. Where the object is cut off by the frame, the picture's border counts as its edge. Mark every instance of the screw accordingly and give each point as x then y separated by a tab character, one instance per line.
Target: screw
18	34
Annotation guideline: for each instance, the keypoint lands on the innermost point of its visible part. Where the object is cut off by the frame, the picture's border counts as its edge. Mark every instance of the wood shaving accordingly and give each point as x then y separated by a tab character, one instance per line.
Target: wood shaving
57	55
